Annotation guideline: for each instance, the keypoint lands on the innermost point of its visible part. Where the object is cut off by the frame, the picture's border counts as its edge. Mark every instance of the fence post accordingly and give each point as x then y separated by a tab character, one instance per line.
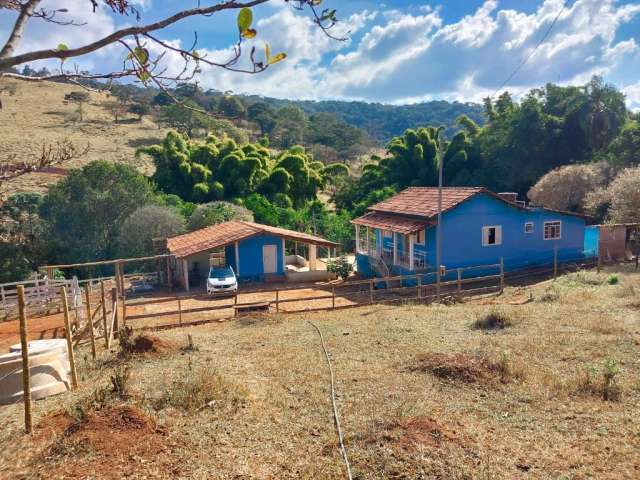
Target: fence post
67	331
371	291
277	299
87	299
104	314
179	311
459	282
124	309
26	373
419	282
637	261
501	274
333	297
555	262
599	264
4	301
114	302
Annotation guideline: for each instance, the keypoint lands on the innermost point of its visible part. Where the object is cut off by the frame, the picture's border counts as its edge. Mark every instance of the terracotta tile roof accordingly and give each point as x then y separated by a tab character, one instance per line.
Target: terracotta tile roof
229	232
391	222
423	201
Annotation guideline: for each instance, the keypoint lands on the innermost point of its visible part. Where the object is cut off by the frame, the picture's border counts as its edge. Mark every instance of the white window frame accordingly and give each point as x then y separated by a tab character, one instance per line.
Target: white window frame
544	231
526	224
485	235
417	237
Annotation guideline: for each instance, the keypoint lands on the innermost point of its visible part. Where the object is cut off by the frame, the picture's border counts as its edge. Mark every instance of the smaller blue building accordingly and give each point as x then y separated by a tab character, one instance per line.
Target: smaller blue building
255	252
398	236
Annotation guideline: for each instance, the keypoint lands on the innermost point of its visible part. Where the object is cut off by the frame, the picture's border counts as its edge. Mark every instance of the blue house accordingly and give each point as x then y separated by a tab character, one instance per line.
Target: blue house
255	252
398	236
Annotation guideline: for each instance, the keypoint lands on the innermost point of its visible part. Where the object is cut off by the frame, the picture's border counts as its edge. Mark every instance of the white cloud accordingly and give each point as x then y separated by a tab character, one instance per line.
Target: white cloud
480	51
397	57
633	96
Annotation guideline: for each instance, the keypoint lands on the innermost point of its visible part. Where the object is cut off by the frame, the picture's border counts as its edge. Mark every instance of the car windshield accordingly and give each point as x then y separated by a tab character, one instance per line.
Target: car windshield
221	272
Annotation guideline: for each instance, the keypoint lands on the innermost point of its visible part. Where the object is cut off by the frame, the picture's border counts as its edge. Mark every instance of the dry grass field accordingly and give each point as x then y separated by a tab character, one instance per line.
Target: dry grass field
36	114
548	387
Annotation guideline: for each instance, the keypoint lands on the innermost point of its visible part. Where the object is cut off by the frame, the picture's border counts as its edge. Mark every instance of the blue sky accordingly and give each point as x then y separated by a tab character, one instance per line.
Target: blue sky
399	51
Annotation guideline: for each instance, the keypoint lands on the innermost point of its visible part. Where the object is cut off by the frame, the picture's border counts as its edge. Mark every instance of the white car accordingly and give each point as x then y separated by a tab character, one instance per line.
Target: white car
221	281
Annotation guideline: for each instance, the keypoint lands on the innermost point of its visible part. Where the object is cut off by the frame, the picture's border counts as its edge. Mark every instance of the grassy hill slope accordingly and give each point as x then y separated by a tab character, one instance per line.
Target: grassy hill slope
36	114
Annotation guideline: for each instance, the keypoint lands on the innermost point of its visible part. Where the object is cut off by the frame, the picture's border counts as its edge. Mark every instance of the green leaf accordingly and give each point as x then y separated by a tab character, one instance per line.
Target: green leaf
62	47
277	58
141	54
144	75
245	19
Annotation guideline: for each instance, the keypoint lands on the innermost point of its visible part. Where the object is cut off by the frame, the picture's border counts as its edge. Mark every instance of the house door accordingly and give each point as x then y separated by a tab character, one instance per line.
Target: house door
270	258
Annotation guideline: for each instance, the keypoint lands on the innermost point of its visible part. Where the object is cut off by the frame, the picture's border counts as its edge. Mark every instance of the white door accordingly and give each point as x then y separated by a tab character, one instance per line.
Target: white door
270	258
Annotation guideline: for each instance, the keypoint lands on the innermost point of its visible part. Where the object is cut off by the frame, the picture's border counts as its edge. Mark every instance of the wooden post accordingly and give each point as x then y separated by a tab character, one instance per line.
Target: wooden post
333	297
26	374
179	311
599	265
459	283
124	309
87	302
114	302
169	279
67	331
637	261
555	262
419	282
277	299
4	302
104	314
501	274
371	291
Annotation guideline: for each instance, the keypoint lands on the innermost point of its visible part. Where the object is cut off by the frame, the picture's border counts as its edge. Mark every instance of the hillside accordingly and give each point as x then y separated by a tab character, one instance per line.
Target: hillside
383	122
36	115
420	394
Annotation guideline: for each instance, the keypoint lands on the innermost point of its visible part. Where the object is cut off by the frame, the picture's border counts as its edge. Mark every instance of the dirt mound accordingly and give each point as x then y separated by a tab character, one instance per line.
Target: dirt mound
143	344
456	367
411	432
114	442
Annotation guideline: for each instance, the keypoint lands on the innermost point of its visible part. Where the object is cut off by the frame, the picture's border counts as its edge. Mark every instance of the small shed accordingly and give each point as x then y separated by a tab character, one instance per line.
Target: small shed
618	241
255	252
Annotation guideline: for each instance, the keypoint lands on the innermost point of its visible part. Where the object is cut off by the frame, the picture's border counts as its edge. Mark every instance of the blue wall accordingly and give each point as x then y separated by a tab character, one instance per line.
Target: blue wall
250	251
462	237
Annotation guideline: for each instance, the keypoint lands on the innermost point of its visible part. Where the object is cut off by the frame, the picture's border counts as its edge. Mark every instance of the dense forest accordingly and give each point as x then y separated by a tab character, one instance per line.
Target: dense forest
575	148
383	122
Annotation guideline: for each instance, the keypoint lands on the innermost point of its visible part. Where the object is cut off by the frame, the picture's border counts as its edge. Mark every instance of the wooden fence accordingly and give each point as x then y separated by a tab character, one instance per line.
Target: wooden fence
183	310
42	295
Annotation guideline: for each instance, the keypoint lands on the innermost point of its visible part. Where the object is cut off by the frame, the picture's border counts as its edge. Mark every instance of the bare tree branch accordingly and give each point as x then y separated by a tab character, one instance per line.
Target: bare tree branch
7	61
26	11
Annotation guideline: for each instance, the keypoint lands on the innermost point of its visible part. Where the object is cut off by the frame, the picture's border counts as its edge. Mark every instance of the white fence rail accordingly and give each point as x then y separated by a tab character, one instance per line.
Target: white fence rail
42	295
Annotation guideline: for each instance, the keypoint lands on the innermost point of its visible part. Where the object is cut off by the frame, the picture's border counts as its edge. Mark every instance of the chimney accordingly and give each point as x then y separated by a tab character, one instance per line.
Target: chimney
509	196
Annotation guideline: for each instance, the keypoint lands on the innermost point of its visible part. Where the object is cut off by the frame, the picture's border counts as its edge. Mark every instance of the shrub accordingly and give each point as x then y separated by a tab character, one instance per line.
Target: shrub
610	389
613	279
607	387
340	266
494	320
203	387
135	238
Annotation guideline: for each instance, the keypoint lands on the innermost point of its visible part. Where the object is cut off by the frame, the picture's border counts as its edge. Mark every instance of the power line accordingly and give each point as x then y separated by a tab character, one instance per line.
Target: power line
528	57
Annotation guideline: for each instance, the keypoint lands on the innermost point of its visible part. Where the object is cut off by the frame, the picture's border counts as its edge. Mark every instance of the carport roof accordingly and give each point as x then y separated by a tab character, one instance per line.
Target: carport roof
224	234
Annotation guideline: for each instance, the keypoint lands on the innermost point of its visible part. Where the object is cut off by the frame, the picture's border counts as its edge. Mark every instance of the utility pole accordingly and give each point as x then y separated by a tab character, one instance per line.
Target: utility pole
439	225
